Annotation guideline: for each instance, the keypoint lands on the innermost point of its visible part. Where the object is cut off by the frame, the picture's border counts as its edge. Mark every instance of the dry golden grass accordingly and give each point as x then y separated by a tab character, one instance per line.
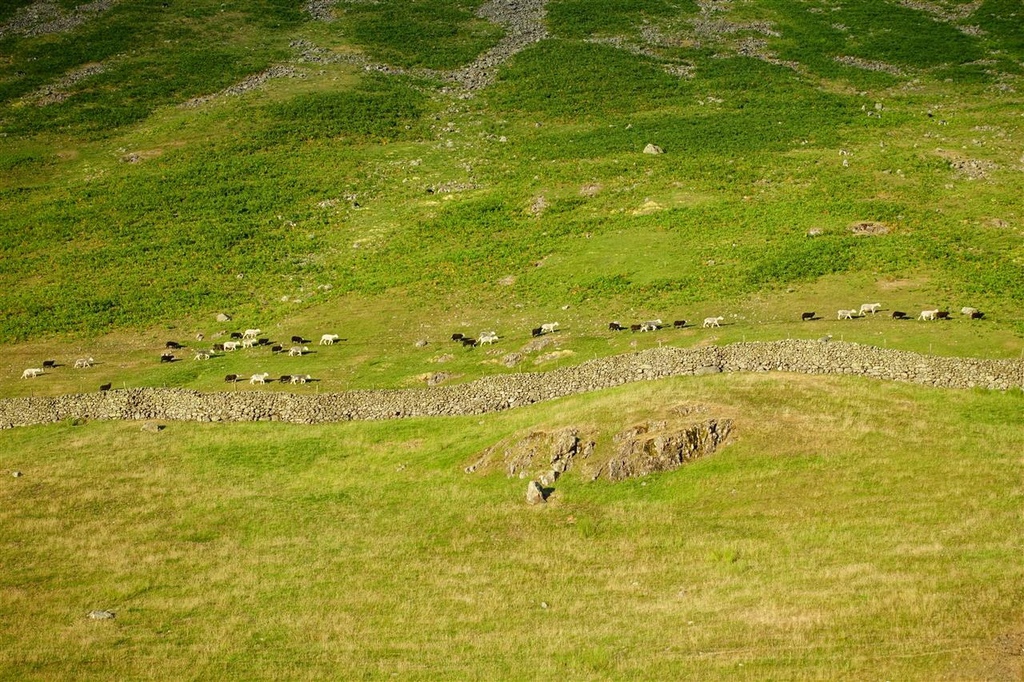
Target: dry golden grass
850	529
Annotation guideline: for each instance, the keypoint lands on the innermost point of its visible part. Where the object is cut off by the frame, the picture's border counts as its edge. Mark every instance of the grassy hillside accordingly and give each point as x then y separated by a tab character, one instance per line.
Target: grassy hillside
397	171
122	208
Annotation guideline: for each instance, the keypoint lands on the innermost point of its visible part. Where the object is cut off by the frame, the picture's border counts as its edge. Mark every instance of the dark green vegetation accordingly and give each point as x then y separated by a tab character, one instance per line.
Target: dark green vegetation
242	200
817	156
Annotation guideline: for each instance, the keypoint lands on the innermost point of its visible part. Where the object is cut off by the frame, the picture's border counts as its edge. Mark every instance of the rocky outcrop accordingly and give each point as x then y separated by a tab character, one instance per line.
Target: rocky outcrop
543	454
502	392
638	450
662	446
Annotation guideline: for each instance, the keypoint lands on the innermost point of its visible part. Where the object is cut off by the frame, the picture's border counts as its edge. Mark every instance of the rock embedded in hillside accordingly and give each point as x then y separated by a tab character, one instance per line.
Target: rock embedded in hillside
223	317
869	228
102	615
653	149
152	427
511	359
534	493
661	446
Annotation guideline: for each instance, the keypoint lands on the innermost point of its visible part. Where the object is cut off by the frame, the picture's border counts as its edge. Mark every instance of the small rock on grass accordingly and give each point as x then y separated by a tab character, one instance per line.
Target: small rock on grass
102	615
534	493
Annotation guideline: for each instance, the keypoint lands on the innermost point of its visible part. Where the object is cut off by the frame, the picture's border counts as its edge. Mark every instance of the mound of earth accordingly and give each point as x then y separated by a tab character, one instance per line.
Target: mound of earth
638	450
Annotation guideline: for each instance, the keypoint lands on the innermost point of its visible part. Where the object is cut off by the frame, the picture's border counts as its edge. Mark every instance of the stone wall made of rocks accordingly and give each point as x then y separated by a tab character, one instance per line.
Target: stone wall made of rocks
502	392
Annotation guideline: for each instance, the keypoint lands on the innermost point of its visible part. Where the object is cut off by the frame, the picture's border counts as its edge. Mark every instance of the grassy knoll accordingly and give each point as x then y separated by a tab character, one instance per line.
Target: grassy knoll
850	529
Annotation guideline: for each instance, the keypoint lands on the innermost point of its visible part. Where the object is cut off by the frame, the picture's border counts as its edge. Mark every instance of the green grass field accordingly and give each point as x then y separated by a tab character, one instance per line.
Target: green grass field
162	162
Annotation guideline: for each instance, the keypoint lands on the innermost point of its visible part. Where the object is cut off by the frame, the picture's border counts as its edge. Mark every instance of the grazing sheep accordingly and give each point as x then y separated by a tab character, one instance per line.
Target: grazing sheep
231	378
296	351
679	324
232	345
457	336
467	342
870	308
202	356
329	339
84	363
248	342
285	378
49	364
977	315
218	346
298	339
276	349
548	327
846	314
104	387
301	378
173	345
928	315
167	357
615	327
650	326
251	333
487	337
32	373
804	317
942	315
537	331
713	321
899	315
635	327
262	342
258	378
236	335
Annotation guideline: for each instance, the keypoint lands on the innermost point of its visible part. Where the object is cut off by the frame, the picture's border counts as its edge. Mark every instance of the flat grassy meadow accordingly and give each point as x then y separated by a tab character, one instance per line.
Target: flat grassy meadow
849	529
398	171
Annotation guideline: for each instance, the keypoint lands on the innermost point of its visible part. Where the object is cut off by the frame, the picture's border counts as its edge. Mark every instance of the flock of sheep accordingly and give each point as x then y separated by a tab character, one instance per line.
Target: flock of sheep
250	338
936	314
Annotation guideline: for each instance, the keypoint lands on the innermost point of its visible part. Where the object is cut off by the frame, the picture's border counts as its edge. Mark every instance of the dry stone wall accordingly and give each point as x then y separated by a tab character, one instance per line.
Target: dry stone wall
502	392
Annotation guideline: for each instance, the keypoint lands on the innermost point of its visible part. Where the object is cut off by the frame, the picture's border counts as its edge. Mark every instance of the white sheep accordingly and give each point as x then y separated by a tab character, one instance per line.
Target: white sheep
870	308
202	356
251	333
651	325
928	315
232	345
84	363
31	373
329	339
548	327
487	337
846	314
259	378
300	378
295	351
248	342
967	310
713	321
